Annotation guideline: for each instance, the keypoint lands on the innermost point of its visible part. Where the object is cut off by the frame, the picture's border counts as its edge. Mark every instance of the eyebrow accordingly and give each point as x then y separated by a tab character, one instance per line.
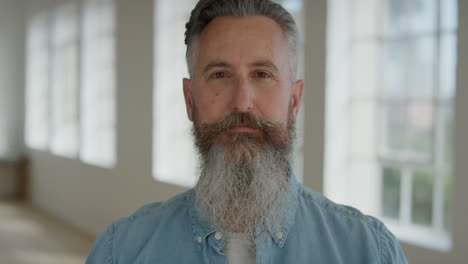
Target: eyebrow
222	64
266	64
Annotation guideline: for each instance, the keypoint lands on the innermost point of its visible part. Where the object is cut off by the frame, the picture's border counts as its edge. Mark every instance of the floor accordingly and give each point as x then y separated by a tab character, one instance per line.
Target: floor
28	235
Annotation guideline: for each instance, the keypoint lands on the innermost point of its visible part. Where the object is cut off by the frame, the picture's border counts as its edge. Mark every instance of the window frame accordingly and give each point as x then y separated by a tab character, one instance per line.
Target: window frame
344	188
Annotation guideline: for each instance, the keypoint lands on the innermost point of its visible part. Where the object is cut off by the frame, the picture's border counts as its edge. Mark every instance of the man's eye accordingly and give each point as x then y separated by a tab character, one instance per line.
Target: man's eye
262	75
219	75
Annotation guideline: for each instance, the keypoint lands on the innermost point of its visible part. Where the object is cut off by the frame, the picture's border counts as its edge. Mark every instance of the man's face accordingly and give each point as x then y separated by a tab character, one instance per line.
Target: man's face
242	66
243	104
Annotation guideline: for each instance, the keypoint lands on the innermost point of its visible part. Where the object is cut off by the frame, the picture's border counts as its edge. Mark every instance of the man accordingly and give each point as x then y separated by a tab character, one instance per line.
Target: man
247	207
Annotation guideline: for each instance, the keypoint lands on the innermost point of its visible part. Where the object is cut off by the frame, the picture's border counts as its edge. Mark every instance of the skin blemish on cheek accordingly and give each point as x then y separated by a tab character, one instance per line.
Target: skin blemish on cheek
213	101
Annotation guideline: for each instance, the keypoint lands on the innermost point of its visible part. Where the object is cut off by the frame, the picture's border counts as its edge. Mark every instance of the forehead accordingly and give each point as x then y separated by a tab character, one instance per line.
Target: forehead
238	39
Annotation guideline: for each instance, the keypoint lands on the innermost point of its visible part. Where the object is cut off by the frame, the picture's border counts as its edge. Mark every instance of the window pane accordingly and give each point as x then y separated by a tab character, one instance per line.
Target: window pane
391	193
395	16
410	16
408	130
64	81
174	157
37	82
447	65
98	84
449	14
422	193
395	128
408	68
394	68
420	127
420	58
421	15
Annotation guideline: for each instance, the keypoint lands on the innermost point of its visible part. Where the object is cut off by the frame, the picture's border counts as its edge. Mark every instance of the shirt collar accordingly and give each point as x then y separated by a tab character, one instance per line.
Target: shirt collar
202	229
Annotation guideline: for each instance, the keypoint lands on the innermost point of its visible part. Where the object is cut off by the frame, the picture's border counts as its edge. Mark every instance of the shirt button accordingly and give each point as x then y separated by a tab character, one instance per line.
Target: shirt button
218	235
279	235
199	239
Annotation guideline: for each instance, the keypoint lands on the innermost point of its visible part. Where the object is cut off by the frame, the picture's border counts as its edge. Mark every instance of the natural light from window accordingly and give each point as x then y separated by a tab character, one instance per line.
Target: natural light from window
174	158
64	82
37	82
98	93
390	88
70	81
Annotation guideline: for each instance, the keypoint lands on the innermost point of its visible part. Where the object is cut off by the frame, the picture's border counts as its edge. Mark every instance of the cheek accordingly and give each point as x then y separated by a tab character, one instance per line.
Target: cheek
275	107
209	107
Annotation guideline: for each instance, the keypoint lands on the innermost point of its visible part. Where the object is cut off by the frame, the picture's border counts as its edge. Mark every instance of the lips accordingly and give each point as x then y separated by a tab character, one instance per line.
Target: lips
243	129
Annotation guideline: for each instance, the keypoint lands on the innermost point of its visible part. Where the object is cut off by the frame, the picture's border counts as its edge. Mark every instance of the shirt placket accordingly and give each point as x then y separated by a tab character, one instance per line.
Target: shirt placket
216	243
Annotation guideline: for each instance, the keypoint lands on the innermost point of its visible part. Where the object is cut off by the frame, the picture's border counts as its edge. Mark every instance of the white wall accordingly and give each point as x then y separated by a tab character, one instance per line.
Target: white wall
11	89
91	197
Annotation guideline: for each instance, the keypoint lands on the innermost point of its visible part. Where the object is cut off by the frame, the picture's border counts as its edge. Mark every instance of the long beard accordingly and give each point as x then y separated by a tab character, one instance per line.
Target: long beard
243	176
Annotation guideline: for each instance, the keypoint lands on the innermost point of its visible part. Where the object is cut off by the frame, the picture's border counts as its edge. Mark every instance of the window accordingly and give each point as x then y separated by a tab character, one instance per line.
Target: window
174	156
390	87
295	8
64	81
98	83
70	95
37	82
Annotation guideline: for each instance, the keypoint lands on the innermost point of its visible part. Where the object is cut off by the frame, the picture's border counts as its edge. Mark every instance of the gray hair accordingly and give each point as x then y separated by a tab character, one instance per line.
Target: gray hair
207	10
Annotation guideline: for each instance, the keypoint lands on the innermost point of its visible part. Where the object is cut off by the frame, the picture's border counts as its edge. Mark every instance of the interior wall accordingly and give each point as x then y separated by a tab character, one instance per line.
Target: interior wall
11	89
91	197
314	92
7	181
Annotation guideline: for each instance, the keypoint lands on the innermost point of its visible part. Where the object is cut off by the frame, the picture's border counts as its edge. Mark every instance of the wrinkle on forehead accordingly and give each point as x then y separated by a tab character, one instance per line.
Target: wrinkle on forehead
243	40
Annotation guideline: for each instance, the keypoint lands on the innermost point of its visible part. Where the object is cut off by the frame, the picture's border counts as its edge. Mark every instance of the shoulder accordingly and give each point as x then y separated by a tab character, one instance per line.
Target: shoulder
319	204
152	214
158	208
345	225
126	237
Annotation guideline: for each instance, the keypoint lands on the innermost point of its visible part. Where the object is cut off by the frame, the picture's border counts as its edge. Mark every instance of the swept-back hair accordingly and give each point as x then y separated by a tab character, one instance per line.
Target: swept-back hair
207	10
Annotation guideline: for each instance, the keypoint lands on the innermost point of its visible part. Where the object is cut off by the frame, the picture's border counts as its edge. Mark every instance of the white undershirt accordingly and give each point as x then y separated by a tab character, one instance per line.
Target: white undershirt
239	249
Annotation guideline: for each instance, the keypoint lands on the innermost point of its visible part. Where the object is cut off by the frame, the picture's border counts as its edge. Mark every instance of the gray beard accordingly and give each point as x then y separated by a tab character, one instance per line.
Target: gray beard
242	188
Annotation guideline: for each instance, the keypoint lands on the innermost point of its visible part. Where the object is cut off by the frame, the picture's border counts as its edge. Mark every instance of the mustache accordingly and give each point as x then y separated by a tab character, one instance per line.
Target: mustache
272	134
236	119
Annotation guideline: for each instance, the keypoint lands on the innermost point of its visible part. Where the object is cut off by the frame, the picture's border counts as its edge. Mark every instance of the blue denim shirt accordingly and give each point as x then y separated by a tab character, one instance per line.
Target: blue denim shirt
316	230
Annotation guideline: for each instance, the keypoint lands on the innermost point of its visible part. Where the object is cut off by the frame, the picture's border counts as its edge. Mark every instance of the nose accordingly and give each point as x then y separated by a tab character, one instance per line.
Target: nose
242	97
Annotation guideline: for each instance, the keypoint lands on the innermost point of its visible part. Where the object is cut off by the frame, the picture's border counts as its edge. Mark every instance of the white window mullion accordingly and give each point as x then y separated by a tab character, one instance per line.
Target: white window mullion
438	201
406	196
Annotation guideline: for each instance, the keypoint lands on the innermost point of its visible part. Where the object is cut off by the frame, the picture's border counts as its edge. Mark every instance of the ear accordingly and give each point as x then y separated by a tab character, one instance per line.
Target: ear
188	97
296	97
